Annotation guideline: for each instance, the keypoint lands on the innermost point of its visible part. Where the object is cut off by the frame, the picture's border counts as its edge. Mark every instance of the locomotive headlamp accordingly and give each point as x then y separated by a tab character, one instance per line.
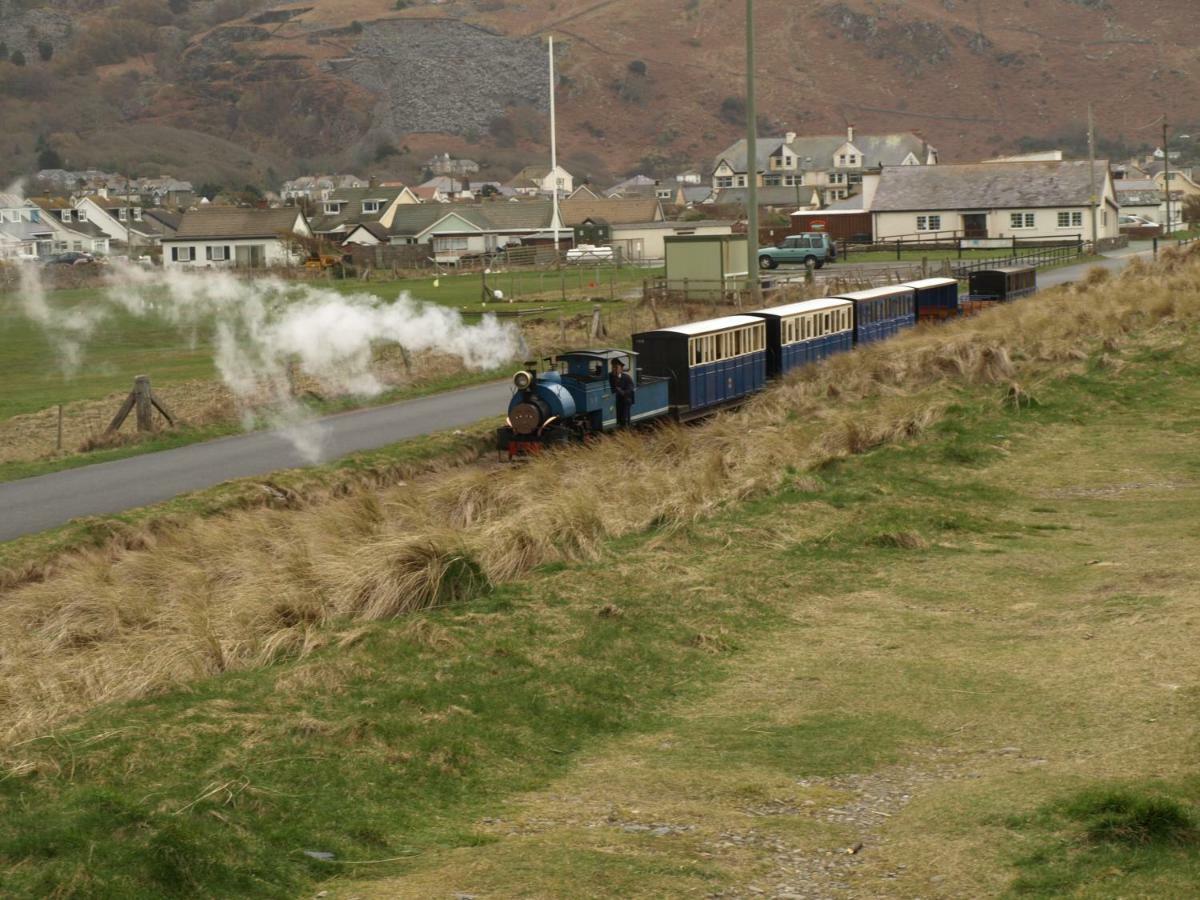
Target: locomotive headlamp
522	380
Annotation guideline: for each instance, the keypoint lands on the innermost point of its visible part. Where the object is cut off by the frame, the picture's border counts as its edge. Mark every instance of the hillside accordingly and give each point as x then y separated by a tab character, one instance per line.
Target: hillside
378	84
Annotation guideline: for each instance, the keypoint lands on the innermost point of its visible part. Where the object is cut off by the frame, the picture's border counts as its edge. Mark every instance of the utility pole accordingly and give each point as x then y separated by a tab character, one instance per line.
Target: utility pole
1167	178
751	164
553	149
1092	174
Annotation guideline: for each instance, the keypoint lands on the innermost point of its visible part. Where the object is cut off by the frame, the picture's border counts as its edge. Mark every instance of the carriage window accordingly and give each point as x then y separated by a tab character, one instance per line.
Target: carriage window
696	353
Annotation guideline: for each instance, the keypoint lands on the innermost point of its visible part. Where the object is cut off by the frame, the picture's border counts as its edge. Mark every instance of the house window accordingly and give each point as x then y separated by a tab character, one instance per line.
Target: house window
793	180
929	223
772	181
842	159
853	160
65	215
1070	220
371	206
332	209
183	254
81	214
216	254
443	244
1021	220
741	181
837	178
1104	218
122	214
724	181
854	178
137	214
77	245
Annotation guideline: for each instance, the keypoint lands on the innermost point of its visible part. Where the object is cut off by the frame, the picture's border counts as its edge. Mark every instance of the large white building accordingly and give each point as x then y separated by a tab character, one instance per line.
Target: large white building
995	200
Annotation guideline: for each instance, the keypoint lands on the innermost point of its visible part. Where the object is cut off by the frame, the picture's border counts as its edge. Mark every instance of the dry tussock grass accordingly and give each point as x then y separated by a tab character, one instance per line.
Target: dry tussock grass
243	590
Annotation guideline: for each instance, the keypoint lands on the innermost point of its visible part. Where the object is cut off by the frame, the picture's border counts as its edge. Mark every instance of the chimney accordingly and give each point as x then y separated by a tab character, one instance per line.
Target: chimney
372	182
789	137
850	134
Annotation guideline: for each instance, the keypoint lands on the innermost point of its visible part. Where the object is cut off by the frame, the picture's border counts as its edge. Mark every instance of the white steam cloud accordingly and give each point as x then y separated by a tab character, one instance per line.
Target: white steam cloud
266	329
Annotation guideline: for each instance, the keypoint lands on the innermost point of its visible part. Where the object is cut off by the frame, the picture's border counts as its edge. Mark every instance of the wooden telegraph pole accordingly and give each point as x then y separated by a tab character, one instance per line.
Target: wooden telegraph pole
751	165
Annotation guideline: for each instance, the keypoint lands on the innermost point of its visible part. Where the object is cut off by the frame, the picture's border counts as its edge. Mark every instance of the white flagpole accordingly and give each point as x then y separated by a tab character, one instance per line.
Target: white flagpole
553	147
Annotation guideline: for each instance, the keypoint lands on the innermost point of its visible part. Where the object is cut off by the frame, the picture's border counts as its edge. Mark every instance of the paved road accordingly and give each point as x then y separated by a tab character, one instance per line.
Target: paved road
35	504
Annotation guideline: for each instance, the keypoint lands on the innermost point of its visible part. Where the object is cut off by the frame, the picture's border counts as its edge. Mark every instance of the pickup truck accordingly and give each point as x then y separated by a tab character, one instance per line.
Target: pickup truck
812	249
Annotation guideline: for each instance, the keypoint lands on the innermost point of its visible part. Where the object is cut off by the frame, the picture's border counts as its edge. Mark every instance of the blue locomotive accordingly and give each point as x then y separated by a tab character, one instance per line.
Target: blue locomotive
692	370
570	399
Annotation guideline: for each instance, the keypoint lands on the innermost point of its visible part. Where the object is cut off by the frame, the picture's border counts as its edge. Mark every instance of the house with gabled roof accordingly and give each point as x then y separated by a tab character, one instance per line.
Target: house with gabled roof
534	180
985	201
338	214
834	163
71	228
453	231
235	237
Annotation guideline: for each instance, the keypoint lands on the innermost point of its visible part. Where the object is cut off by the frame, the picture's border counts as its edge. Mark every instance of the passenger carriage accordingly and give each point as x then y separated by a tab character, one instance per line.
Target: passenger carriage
803	333
709	364
880	313
1003	284
936	298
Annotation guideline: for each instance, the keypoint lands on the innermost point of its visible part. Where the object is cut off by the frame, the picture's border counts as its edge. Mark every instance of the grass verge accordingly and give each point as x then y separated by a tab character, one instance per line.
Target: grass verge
723	685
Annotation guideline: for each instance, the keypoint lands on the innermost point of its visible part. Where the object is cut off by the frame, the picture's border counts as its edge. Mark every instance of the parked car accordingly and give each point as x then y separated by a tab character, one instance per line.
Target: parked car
590	253
71	258
811	249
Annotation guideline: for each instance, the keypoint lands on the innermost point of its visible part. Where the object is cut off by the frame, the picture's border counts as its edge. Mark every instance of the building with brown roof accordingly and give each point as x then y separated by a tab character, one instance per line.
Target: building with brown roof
235	237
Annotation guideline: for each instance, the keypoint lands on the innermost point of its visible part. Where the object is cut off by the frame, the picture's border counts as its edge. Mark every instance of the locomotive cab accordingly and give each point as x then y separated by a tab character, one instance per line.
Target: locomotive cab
570	398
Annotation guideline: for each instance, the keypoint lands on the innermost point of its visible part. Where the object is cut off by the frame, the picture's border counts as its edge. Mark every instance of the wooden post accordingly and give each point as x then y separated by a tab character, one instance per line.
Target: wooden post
924	266
407	359
562	331
612	284
654	312
598	329
143	404
562	284
59	442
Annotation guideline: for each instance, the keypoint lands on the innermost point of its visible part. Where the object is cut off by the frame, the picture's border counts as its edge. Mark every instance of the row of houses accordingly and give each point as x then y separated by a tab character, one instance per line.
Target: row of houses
40	227
447	234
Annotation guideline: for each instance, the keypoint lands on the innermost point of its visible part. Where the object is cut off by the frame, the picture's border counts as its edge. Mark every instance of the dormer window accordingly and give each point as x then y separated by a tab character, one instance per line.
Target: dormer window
122	214
64	215
81	214
371	206
137	214
333	207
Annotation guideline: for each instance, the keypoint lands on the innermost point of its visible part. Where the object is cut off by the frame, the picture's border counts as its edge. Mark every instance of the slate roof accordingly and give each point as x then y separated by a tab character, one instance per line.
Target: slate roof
770	196
504	215
215	222
25	231
877	150
614	212
352	212
1026	185
1138	191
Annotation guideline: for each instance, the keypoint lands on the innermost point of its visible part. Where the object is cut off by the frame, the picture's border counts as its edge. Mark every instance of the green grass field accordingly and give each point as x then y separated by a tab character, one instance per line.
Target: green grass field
957	666
124	345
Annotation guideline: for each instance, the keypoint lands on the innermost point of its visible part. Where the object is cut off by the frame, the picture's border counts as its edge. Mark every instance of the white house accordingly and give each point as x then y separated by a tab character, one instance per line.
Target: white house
223	237
455	231
23	234
984	201
541	180
835	163
71	228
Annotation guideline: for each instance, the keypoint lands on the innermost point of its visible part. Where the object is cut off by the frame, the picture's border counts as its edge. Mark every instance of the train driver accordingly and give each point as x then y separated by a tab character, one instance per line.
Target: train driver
623	391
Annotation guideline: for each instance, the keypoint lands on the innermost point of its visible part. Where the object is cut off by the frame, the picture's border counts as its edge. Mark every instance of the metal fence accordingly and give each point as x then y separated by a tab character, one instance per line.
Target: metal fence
1043	257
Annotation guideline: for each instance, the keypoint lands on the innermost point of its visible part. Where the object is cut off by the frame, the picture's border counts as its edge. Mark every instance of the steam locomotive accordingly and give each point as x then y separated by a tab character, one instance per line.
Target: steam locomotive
693	370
